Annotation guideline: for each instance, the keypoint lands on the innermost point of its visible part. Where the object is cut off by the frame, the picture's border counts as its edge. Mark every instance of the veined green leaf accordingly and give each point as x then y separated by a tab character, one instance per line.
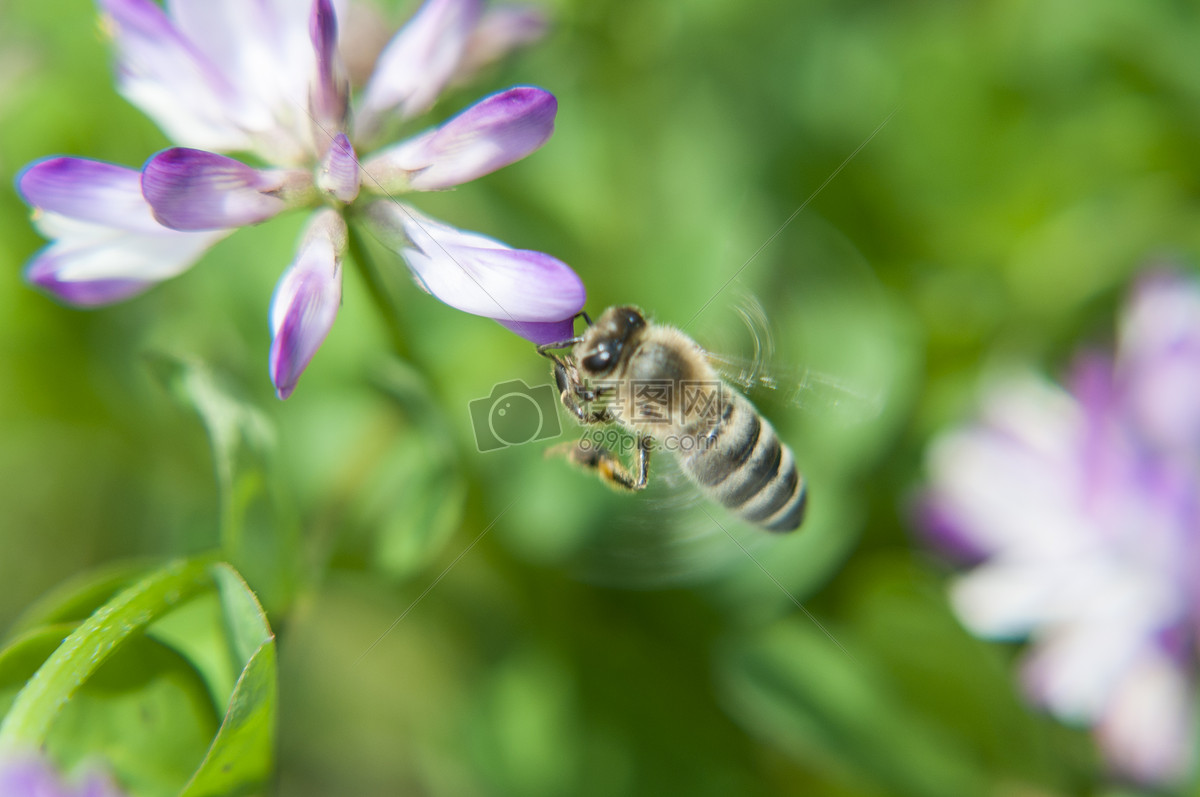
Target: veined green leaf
145	712
89	645
76	598
24	654
257	525
241	755
103	687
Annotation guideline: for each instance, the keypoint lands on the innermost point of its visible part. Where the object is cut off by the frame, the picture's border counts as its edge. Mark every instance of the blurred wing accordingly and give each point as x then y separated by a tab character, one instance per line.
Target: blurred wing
816	392
803	388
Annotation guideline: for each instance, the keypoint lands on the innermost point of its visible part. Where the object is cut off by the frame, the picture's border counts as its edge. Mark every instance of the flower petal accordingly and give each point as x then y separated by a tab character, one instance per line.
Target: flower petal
190	189
1085	507
492	133
1028	443
541	332
27	774
87	190
418	62
306	300
265	49
161	72
1159	357
477	274
339	174
63	268
106	245
330	90
1147	729
501	30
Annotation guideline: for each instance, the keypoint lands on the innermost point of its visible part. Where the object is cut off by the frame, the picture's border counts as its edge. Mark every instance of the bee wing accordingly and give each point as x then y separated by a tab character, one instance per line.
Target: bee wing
808	389
803	388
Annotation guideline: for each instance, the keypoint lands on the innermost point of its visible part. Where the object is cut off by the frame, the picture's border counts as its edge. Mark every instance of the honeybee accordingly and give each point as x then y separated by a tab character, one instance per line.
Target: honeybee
657	383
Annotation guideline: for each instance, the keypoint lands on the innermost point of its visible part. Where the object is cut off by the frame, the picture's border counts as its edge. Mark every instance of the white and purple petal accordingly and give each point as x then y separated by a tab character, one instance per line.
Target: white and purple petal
264	49
1029	439
1159	358
173	82
190	189
541	332
417	63
339	173
105	244
331	90
306	300
501	30
28	774
1147	728
1085	510
481	275
93	265
87	190
494	132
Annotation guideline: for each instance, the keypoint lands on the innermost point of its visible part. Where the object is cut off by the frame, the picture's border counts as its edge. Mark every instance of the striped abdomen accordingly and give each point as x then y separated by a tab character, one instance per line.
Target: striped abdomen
744	465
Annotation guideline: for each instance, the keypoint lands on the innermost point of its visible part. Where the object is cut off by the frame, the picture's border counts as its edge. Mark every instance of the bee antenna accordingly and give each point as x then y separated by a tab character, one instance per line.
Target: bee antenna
583	314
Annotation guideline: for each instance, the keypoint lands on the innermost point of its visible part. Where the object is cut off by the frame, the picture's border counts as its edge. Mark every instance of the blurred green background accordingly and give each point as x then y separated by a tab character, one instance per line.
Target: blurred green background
1019	162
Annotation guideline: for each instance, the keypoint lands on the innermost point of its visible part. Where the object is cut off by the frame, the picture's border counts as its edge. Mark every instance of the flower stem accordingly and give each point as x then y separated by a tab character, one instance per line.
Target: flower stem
385	303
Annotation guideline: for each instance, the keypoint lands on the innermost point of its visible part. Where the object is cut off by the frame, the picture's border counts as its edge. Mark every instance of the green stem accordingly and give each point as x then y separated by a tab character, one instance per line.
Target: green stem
92	642
380	295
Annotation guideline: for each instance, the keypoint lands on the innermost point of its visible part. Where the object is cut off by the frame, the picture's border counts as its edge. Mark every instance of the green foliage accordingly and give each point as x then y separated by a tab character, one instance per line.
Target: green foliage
129	684
835	713
916	194
240	757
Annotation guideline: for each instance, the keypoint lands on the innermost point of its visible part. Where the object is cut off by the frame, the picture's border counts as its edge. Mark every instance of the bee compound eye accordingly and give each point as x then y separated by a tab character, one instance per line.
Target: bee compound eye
599	361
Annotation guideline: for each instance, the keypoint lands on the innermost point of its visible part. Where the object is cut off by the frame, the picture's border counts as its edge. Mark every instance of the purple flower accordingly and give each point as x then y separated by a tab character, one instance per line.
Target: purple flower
231	76
27	775
306	300
106	244
1082	509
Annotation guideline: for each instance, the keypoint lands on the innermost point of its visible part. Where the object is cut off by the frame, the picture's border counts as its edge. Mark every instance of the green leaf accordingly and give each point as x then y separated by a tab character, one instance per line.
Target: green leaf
241	756
145	712
24	654
256	521
245	621
90	645
76	598
136	683
229	421
196	631
798	690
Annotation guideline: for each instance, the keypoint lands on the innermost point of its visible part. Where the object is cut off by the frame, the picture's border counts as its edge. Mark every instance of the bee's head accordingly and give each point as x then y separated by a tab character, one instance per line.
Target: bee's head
606	341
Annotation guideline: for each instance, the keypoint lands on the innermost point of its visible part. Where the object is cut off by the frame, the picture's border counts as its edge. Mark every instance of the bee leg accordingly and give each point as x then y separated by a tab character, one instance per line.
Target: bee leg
546	348
608	467
571	393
